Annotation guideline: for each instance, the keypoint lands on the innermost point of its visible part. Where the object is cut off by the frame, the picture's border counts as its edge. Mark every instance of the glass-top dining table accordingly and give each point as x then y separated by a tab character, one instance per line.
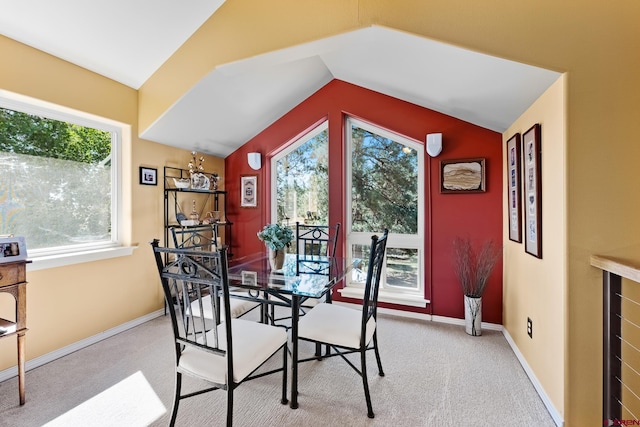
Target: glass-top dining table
288	287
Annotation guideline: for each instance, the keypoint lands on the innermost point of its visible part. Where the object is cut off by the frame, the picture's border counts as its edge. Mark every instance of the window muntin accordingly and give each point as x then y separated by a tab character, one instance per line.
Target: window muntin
385	174
60	185
300	179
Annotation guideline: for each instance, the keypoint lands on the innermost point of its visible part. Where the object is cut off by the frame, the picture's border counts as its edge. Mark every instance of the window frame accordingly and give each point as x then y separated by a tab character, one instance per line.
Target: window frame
65	255
296	143
387	293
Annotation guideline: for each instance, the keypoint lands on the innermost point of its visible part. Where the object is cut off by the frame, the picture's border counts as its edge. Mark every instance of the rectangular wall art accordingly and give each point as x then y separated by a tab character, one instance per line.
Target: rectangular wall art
532	154
249	191
462	176
514	210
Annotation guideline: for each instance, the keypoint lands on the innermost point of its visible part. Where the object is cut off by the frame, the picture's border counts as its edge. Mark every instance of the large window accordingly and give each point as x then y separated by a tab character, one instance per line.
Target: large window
385	174
300	179
59	181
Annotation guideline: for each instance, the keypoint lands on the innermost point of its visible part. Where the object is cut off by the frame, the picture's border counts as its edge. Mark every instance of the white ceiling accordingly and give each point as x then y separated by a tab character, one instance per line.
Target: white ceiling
127	40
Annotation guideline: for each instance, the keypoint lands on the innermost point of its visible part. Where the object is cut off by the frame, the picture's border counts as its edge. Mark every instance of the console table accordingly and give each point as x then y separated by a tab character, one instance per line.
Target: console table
13	281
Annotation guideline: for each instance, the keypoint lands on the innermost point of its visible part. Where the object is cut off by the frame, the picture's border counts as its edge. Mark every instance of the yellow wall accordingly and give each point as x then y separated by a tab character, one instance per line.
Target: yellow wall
535	288
68	304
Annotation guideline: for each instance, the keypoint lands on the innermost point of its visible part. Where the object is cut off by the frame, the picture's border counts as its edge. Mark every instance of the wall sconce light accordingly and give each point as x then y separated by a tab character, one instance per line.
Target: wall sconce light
255	161
434	144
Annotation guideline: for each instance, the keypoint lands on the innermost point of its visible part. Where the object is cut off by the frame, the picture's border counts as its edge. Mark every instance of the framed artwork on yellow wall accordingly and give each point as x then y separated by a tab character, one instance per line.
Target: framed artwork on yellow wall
532	155
514	210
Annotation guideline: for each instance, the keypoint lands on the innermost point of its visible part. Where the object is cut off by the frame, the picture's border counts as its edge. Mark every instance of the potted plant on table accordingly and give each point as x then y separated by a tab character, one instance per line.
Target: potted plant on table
276	237
473	268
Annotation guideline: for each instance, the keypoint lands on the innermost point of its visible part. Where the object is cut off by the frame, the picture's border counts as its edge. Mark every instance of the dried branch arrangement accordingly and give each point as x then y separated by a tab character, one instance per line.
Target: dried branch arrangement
473	267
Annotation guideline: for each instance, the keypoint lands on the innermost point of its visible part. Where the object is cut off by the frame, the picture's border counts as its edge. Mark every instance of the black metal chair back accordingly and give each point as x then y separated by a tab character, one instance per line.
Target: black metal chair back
188	275
372	286
313	244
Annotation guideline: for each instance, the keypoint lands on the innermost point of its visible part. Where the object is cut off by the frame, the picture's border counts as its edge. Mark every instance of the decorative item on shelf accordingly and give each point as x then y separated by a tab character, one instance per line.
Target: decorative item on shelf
199	181
473	268
276	237
212	217
195	165
182	182
214	181
194	216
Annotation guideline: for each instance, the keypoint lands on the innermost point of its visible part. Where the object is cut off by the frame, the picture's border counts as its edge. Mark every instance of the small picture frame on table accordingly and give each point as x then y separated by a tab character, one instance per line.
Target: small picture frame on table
514	182
12	249
249	191
148	176
532	158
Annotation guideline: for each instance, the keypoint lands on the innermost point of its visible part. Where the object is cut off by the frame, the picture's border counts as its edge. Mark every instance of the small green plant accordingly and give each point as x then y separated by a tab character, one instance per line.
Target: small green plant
276	236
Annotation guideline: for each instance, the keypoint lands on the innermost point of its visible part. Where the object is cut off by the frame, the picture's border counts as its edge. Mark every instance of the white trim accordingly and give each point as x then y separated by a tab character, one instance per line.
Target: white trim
62	259
460	322
389	297
557	417
78	345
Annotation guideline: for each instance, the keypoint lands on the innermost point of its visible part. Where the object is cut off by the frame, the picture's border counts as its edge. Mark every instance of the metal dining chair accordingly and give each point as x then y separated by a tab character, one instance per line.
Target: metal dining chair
347	330
315	246
198	239
225	352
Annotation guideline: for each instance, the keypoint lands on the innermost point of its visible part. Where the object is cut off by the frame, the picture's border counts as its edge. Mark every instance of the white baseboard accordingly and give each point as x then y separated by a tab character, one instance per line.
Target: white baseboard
56	354
557	418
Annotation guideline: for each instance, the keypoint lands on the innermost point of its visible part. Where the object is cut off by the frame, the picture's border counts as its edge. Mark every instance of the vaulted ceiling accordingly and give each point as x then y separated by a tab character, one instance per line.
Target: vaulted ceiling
128	41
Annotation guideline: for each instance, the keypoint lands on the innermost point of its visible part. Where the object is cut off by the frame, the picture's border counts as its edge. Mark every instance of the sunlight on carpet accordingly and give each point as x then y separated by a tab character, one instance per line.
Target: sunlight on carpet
132	402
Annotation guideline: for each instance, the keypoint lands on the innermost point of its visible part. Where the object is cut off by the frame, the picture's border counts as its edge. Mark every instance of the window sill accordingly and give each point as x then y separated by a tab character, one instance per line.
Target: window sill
389	297
70	258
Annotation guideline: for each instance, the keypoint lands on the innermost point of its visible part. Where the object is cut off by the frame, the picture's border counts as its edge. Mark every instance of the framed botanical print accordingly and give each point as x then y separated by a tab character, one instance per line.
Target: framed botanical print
532	158
514	210
249	191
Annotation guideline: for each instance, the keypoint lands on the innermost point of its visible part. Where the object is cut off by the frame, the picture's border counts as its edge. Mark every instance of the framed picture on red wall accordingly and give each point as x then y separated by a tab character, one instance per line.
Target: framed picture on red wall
514	210
462	176
249	191
532	157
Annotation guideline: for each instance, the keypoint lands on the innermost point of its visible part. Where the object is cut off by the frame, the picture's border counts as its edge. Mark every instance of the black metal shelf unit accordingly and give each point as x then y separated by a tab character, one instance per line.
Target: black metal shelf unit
175	200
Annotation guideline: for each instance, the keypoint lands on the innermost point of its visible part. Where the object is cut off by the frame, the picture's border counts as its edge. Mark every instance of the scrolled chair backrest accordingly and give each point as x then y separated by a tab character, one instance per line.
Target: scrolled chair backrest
192	276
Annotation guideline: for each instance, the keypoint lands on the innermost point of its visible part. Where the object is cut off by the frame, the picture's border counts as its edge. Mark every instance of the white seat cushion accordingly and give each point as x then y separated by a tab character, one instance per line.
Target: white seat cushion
238	307
335	324
253	343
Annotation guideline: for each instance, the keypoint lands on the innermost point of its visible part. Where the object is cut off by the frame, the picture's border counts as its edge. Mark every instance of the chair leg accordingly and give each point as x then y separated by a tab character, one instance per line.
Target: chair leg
285	353
176	399
375	349
230	403
365	382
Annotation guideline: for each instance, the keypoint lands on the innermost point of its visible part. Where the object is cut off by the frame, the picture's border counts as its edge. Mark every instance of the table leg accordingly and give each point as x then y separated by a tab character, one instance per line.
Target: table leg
21	339
295	315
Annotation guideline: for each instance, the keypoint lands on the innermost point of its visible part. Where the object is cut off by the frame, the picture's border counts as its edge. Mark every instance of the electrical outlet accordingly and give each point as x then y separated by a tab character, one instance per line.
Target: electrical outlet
529	327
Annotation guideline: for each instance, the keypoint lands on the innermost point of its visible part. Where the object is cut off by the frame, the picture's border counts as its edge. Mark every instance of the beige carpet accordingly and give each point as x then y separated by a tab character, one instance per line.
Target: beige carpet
436	375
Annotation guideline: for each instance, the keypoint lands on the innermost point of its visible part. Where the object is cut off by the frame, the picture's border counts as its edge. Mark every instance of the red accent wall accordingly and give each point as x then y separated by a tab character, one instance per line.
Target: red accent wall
477	215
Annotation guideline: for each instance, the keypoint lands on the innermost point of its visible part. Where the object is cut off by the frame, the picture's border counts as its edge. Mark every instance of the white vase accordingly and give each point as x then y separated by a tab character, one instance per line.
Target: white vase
473	315
276	258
